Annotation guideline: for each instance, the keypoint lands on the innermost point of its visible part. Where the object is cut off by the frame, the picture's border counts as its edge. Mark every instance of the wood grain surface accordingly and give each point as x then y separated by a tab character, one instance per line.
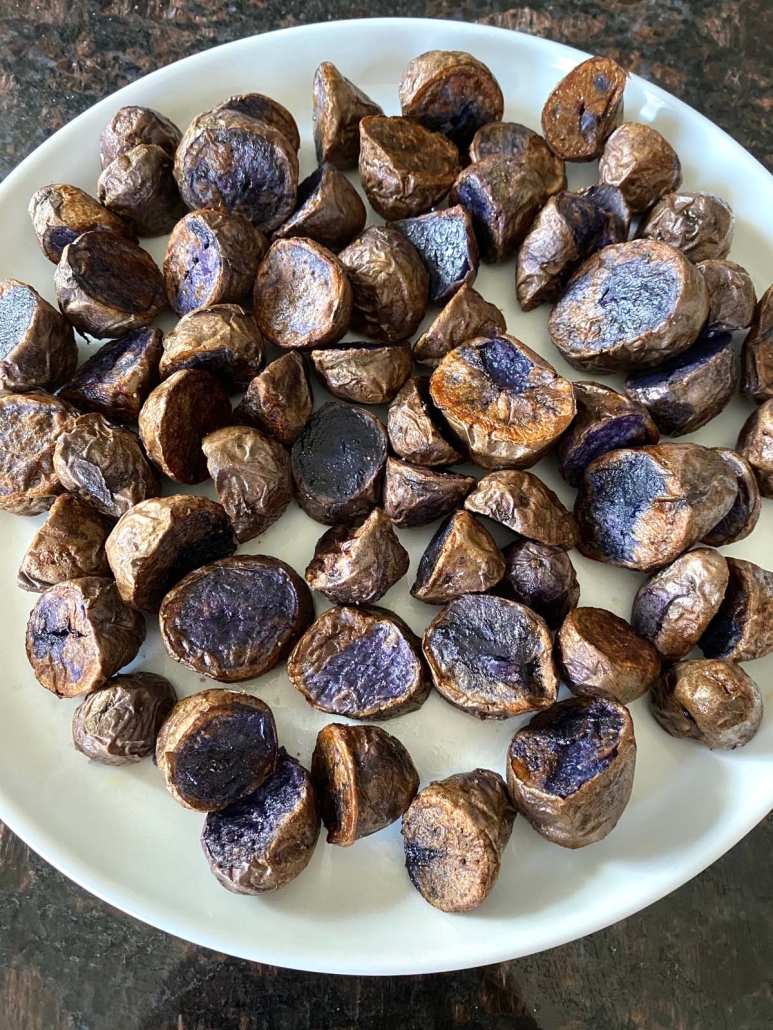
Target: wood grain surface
700	959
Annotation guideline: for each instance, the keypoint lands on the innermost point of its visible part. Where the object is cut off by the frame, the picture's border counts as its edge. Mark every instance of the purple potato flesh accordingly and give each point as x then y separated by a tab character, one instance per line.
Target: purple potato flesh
236	618
118	379
605	421
263	841
674	607
541	577
745	513
415	495
691	389
461	558
641	509
742	629
446	242
338	463
570	770
491	657
212	257
362	663
711	701
216	747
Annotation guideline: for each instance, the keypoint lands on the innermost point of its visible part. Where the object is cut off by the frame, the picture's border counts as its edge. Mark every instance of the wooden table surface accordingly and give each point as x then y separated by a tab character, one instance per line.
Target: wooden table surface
700	959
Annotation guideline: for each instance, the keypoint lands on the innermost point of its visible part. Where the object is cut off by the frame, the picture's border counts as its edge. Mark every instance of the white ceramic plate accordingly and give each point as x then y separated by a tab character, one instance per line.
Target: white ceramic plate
119	834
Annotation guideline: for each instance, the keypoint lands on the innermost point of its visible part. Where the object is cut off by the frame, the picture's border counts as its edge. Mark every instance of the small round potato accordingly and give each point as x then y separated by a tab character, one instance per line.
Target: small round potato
641	163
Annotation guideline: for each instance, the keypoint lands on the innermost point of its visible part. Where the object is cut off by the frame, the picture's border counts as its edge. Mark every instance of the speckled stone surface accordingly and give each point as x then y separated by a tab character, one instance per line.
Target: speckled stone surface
698	960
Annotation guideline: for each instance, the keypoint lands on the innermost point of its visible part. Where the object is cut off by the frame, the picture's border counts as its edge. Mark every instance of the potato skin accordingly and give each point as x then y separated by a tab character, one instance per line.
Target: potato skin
38	349
451	92
594	325
365	373
414	427
404	169
700	225
415	495
641	163
524	144
69	544
757	353
132	126
711	701
222	339
60	213
119	724
30	425
673	608
742	629
454	834
467	314
541	577
732	299
139	187
329	210
278	401
461	558
573	803
582	111
338	108
755	444
522	502
264	109
745	513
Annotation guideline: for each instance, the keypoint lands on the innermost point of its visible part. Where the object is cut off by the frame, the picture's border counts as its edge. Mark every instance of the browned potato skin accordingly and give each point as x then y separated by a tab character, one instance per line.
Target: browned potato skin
176	417
711	701
252	478
44	354
415	495
524	144
451	92
69	544
118	724
673	608
697	488
358	564
221	339
338	108
454	834
131	126
542	578
590	813
748	608
279	400
104	465
107	286
469	562
365	780
160	540
745	513
699	224
390	284
755	444
365	374
404	169
88	620
139	187
599	655
467	314
264	109
500	431
329	210
502	196
757	354
413	433
582	111
60	213
241	247
522	502
568	229
303	298
331	635
579	319
641	163
30	424
117	389
187	717
732	299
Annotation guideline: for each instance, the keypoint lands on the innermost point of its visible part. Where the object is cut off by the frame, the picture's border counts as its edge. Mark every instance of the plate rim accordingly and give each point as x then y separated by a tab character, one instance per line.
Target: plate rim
478	953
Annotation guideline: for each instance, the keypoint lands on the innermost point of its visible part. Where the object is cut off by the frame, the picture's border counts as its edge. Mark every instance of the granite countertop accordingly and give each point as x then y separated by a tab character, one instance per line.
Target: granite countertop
698	960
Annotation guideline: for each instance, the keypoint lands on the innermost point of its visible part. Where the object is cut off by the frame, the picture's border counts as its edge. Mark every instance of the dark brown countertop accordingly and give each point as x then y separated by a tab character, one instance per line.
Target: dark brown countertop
698	960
